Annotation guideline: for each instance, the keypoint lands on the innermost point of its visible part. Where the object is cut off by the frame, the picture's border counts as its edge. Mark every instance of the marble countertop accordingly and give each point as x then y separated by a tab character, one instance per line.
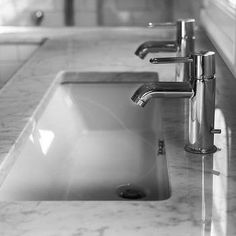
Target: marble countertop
203	188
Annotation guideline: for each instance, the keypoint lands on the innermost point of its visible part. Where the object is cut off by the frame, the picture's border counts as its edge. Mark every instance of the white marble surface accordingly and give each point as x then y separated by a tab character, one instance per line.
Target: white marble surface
203	197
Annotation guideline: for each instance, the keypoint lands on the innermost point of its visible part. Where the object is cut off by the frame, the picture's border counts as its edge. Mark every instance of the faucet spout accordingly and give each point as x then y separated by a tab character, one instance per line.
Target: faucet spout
155	47
162	90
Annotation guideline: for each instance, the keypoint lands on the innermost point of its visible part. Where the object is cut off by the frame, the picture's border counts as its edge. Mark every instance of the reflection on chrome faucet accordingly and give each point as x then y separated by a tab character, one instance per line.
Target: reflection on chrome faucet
183	45
201	93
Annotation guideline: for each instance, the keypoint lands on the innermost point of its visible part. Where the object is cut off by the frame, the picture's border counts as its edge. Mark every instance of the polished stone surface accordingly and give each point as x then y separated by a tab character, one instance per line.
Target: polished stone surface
203	188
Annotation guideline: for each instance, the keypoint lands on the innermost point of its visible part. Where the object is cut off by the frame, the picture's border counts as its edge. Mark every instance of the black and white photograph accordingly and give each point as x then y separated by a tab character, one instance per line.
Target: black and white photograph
117	118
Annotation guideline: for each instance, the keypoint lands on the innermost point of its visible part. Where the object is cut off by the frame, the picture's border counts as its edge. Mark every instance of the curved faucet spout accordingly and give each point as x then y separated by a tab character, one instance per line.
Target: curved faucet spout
155	46
162	89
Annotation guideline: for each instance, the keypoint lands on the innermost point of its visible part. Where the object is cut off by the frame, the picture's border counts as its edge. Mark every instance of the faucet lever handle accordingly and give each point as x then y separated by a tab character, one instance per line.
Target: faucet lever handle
202	63
164	24
169	60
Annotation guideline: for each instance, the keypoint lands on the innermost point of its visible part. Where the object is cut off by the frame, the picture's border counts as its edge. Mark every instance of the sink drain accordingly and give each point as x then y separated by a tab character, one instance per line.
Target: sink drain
130	191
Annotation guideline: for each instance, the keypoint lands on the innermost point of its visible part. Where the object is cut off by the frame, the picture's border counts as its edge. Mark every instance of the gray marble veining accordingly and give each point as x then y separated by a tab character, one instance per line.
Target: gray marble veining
203	196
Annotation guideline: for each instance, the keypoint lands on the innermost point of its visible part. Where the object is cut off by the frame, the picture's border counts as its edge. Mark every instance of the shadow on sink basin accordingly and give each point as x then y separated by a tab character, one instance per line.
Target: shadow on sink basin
90	142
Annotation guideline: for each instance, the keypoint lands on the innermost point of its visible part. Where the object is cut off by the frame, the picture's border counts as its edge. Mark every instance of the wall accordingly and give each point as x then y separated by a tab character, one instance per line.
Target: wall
98	12
135	12
19	12
187	9
218	17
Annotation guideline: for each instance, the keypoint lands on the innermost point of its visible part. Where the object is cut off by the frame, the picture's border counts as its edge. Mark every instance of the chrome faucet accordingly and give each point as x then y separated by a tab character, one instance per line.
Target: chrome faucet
200	89
183	45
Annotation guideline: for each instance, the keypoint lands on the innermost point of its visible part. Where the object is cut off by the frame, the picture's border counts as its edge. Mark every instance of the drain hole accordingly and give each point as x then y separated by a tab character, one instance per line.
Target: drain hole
130	191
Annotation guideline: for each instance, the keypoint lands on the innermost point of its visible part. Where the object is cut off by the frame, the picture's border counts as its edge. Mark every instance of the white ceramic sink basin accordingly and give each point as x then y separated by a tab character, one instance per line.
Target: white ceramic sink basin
91	142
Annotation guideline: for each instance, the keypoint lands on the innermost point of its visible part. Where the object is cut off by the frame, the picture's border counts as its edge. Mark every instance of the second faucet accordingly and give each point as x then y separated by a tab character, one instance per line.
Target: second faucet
183	46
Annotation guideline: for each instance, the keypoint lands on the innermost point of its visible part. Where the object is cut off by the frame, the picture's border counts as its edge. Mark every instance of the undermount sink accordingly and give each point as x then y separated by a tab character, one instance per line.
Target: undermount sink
91	142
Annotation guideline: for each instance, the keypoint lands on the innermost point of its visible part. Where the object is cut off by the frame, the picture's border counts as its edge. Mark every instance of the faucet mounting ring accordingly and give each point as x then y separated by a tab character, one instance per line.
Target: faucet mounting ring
188	148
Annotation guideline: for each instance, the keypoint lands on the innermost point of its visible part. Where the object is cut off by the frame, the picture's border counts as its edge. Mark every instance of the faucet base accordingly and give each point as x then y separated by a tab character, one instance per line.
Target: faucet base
188	148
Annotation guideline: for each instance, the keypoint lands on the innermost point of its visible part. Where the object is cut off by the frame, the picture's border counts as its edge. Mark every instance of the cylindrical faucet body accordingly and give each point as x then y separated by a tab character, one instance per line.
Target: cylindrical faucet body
201	117
185	39
202	104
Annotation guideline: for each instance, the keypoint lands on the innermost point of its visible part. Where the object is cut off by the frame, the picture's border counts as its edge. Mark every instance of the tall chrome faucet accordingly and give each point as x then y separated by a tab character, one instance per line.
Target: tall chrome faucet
200	89
183	45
